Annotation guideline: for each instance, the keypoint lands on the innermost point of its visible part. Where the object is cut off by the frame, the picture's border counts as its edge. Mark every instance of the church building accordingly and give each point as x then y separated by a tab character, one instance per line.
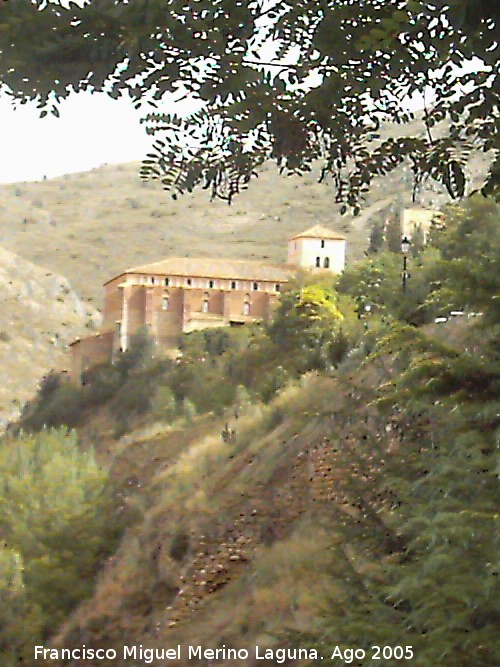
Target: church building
180	295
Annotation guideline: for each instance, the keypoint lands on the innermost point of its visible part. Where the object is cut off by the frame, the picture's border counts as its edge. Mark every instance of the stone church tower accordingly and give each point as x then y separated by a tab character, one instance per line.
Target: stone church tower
318	248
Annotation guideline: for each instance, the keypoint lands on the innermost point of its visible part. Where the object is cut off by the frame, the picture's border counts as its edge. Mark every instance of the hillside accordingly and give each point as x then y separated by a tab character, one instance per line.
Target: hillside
257	514
327	480
240	543
90	226
39	315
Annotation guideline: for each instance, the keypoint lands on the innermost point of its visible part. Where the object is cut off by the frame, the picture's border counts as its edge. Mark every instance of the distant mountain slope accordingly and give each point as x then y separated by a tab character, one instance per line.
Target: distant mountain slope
90	226
39	315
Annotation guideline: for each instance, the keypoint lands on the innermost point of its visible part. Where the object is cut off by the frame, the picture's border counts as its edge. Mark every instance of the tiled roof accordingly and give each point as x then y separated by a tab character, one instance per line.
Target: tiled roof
204	267
319	232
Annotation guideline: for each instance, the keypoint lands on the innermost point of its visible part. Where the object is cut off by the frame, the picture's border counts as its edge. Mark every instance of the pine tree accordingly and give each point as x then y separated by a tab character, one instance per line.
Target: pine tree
393	234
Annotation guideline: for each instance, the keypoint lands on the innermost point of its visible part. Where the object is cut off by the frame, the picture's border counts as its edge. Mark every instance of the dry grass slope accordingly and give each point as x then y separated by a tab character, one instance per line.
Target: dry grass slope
257	515
90	226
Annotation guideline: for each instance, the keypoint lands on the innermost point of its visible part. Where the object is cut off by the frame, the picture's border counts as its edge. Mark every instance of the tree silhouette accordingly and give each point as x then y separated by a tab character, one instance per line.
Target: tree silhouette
337	71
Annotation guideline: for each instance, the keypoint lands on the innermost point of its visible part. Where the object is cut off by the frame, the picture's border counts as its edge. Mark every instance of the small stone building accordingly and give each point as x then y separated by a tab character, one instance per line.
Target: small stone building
180	295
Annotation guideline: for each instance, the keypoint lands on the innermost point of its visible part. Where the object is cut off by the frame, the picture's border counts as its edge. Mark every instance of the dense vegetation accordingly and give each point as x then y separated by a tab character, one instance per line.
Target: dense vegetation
414	530
427	520
58	522
216	367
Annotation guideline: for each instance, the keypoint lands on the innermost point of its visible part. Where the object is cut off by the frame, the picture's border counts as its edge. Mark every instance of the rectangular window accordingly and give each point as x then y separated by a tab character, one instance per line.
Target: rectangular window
318	261
322	244
164	303
233	284
166	282
255	286
189	281
277	287
210	283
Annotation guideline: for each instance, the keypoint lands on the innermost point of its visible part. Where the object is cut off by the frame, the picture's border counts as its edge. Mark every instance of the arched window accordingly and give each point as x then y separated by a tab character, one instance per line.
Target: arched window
210	284
322	244
166	282
152	280
189	282
326	263
165	302
318	261
255	286
233	284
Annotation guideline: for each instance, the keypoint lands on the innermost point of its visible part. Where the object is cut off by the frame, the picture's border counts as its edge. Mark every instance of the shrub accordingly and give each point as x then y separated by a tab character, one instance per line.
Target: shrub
57	514
270	383
20	619
164	405
134	397
189	410
101	384
49	384
179	546
62	406
242	400
138	354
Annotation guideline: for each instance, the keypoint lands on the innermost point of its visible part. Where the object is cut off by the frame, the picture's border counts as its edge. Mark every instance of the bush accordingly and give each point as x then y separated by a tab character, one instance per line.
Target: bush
61	406
164	405
49	384
20	620
179	546
138	354
101	384
271	382
189	410
242	400
57	516
135	397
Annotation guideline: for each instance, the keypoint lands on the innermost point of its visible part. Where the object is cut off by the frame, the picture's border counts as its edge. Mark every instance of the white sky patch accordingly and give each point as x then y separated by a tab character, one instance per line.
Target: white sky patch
91	130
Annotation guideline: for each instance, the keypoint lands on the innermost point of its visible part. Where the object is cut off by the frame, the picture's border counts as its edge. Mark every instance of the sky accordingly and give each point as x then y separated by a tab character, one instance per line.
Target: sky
92	130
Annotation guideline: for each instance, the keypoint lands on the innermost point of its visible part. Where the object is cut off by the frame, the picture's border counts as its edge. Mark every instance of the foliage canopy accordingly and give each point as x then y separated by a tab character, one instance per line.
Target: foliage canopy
58	522
293	81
